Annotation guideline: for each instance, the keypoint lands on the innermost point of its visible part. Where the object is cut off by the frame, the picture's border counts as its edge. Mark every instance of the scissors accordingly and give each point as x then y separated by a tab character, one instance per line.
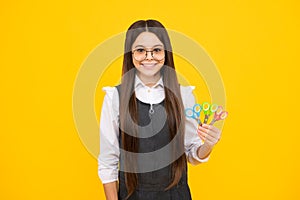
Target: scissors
219	115
208	110
194	113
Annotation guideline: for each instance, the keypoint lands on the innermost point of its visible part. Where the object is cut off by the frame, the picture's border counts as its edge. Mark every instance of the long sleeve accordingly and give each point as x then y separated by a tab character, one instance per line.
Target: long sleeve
192	141
108	158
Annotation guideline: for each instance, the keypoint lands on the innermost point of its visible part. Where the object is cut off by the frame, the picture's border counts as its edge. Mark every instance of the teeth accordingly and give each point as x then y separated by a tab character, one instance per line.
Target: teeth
148	65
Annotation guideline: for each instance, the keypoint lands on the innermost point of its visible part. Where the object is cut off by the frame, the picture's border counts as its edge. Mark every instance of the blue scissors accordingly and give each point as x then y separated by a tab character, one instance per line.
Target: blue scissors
194	113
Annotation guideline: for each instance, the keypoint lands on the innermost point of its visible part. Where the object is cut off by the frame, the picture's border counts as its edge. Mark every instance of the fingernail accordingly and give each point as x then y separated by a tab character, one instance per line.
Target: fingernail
206	125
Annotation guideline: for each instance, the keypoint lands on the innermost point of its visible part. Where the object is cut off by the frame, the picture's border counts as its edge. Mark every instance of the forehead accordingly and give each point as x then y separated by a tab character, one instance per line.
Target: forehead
147	39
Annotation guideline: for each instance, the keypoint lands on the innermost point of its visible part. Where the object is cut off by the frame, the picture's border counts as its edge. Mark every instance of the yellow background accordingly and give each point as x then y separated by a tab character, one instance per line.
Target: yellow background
254	44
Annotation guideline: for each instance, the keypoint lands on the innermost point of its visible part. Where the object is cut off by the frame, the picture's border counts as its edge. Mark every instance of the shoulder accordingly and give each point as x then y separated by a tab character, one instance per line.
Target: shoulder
186	90
111	101
187	95
111	96
110	91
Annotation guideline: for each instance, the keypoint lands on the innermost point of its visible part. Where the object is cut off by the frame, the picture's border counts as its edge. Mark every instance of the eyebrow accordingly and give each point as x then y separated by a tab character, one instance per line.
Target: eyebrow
144	46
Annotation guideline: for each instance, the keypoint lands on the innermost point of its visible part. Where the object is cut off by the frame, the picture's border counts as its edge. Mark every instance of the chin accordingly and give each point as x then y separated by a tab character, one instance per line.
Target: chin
149	74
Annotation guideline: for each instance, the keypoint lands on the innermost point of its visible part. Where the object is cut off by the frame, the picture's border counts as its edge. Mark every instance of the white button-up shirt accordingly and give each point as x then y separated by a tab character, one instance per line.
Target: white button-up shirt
108	159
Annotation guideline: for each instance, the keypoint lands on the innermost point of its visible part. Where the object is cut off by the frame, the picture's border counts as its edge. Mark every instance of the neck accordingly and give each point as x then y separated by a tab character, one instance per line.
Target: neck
149	80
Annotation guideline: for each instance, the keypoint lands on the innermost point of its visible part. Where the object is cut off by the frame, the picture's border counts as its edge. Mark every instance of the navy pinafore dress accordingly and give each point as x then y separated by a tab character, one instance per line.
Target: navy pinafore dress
151	184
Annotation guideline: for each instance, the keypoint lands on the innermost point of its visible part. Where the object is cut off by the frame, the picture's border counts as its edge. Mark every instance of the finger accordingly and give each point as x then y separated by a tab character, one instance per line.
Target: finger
215	135
203	129
208	132
202	133
213	131
211	127
201	137
209	136
211	140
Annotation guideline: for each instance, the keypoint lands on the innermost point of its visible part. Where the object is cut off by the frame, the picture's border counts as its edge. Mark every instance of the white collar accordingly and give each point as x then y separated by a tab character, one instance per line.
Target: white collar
138	82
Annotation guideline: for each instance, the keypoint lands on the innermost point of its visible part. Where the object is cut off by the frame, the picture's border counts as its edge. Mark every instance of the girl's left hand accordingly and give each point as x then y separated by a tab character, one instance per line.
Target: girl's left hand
209	134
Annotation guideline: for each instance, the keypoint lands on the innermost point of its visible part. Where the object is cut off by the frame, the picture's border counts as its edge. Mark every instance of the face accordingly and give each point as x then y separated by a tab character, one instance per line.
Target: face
148	69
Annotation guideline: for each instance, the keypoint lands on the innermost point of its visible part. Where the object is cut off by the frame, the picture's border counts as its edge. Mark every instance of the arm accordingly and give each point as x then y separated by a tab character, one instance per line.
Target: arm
204	151
192	141
111	190
108	158
210	135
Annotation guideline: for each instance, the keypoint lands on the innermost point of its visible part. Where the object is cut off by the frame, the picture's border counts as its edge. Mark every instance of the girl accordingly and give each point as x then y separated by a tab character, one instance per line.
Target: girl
145	139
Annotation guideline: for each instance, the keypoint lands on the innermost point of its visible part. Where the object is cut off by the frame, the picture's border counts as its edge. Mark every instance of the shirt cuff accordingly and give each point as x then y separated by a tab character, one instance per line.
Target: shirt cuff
108	175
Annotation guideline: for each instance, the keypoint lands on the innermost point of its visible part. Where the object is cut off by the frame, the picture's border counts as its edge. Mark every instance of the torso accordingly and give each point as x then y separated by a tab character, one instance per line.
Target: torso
151	184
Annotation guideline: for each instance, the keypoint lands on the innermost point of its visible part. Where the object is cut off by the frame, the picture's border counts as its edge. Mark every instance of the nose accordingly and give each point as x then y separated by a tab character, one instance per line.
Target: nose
149	57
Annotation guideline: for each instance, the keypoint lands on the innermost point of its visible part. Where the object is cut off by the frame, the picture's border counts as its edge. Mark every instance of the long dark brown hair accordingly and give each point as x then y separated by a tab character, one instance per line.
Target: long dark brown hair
173	101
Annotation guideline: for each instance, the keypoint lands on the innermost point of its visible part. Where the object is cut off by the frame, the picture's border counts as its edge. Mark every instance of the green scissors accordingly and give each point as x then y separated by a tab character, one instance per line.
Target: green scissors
208	110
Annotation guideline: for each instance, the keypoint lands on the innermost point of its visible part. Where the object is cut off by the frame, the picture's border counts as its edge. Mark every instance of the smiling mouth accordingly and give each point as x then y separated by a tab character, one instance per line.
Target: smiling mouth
149	65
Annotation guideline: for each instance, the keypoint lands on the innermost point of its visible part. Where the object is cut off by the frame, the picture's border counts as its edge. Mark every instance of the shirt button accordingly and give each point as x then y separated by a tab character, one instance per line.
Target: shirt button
148	90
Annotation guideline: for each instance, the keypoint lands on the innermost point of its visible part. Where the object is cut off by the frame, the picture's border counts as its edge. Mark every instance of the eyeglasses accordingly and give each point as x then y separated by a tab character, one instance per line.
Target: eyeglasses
141	54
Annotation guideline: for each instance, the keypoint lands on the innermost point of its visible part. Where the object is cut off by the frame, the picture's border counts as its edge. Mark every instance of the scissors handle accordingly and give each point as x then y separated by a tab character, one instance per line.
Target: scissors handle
199	121
206	119
190	113
218	117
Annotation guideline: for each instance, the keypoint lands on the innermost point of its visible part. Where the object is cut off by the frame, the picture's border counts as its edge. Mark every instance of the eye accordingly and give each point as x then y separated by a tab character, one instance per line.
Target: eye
140	50
157	49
